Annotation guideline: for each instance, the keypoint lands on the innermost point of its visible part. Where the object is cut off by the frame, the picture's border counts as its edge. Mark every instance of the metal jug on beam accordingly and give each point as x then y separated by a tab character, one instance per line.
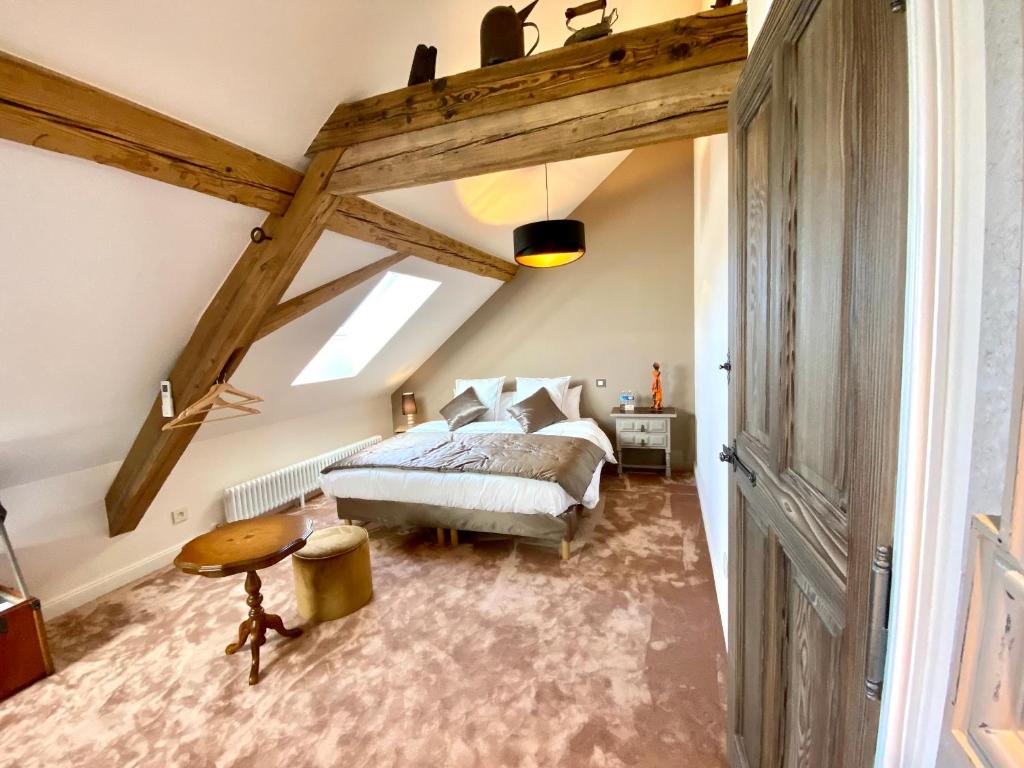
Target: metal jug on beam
502	34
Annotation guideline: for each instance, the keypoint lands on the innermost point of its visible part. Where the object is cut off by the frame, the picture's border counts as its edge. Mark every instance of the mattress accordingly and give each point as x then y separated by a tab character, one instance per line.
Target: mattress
492	493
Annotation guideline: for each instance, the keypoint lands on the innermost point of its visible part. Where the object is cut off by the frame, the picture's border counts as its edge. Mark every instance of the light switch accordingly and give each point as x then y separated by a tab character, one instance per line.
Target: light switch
602	383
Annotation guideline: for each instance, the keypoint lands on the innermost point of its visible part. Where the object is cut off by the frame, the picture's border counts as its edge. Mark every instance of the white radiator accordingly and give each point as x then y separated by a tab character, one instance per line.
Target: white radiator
268	492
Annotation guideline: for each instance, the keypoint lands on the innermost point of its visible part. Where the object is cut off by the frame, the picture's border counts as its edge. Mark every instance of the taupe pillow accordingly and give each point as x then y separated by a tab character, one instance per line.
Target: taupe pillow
463	409
536	411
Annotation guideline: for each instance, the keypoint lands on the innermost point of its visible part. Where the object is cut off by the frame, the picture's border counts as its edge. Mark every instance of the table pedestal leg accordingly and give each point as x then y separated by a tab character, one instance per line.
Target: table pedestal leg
254	629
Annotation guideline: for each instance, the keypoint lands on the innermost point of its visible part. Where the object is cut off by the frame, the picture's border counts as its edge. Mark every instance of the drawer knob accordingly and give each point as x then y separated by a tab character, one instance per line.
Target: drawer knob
643	427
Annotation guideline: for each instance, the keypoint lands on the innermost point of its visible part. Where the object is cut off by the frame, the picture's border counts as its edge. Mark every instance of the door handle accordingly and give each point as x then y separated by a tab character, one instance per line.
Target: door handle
730	456
878	621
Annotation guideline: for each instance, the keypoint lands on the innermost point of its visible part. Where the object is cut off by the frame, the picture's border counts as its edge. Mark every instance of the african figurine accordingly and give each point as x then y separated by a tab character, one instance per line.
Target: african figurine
656	387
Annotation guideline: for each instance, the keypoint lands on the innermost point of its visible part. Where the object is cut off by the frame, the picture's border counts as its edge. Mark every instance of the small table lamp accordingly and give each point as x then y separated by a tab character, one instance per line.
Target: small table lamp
409	407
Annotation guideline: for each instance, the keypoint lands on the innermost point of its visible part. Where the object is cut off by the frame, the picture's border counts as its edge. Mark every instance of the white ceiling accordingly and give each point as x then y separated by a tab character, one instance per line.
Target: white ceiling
267	75
483	210
104	274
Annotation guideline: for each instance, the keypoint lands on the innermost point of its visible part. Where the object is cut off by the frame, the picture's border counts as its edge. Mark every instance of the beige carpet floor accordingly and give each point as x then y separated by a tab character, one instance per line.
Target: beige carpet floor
491	654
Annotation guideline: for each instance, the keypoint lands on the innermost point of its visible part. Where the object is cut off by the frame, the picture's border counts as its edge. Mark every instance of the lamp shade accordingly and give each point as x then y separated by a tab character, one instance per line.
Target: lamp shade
549	243
408	403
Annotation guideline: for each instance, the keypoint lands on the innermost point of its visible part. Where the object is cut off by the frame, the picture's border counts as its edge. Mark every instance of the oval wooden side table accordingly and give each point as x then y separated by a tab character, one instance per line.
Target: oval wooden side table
245	547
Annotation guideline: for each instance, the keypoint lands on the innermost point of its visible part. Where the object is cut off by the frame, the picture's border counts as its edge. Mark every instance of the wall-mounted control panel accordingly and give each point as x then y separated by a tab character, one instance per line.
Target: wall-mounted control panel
602	383
166	401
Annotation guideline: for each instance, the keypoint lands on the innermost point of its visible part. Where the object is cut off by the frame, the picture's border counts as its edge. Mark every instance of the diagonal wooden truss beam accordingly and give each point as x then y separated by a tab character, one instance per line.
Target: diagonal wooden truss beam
363	220
302	304
45	109
228	326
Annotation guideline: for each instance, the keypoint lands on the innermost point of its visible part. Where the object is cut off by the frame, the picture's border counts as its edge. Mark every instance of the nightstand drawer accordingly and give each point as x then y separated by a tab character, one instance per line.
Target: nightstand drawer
642	425
643	440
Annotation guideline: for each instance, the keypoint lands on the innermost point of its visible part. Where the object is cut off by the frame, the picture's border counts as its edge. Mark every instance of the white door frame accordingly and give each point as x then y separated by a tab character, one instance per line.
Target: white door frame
945	241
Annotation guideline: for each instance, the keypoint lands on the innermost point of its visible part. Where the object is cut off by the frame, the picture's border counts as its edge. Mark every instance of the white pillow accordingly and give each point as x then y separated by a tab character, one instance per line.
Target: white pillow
572	403
488	390
507	398
557	388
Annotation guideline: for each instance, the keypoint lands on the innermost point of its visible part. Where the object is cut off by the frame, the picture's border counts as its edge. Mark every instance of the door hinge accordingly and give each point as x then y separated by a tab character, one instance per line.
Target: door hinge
897	6
730	456
878	621
727	367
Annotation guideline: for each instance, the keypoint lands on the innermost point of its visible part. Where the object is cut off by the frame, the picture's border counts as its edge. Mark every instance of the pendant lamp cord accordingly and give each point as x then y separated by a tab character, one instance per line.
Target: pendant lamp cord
547	195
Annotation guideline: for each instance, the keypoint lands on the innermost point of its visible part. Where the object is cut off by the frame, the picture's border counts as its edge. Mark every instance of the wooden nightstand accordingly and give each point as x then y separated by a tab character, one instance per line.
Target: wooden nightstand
646	429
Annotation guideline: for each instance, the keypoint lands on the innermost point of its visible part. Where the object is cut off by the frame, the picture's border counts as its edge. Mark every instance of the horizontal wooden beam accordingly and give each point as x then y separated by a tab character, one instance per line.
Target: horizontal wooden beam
685	105
706	39
362	219
225	331
296	307
45	109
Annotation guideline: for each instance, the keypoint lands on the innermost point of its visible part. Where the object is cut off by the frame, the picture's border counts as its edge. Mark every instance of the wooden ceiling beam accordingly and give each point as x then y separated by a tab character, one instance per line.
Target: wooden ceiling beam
48	110
296	307
706	39
45	109
686	105
225	331
362	219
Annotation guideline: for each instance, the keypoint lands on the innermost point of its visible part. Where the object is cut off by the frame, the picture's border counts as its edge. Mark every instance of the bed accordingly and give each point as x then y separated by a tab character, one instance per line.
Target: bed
505	502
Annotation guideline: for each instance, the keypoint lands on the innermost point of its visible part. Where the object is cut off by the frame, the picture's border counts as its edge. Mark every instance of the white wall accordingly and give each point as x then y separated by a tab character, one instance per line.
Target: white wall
711	345
963	303
58	525
585	319
711	332
757	10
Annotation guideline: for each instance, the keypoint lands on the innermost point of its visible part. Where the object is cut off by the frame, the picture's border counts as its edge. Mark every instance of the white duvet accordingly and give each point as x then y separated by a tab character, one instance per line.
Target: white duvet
494	493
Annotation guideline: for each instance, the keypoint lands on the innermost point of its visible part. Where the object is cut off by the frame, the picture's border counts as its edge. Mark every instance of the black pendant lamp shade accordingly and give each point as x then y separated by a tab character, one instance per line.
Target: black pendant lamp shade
549	243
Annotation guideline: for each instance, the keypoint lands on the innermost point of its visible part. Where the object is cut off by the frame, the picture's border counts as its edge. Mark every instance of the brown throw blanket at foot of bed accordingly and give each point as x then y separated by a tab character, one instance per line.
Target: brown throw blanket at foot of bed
568	461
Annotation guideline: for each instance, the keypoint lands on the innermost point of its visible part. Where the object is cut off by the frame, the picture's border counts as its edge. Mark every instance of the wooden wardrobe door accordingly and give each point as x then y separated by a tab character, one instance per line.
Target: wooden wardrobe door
818	227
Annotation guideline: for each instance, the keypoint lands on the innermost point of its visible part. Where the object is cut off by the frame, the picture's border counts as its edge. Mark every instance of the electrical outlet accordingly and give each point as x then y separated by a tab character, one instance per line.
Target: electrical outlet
602	383
179	516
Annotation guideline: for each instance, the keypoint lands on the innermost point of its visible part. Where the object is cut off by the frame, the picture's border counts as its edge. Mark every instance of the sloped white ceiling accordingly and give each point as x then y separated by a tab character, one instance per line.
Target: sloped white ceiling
274	361
104	274
266	75
483	210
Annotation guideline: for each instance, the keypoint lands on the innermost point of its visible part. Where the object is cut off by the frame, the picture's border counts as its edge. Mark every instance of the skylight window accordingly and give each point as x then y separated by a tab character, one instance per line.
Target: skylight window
389	306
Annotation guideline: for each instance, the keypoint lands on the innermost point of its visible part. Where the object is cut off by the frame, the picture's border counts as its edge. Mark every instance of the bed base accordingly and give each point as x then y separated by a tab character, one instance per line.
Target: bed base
397	513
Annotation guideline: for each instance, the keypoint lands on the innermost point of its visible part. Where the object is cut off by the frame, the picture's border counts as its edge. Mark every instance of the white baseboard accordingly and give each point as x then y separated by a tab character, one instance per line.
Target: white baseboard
721	577
61	604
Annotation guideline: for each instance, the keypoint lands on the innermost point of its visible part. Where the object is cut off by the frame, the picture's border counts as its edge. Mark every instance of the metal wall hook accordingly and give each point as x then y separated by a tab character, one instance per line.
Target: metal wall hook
258	235
727	367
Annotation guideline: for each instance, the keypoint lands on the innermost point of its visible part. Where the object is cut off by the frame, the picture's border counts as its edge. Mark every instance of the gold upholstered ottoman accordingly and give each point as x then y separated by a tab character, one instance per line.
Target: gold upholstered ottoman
332	573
